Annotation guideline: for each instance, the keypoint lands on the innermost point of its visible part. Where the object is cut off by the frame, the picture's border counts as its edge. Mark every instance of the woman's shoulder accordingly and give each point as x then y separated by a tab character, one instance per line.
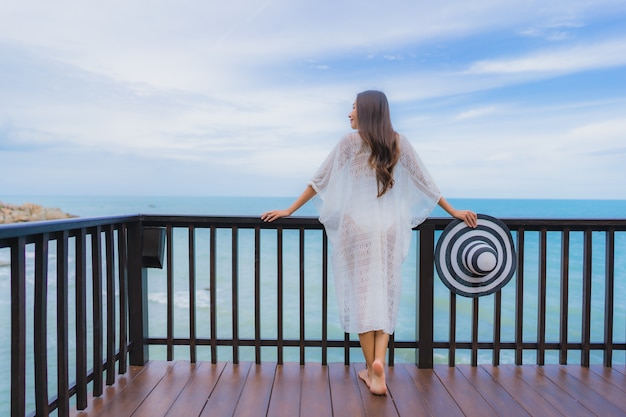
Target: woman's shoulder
351	136
350	140
407	150
403	141
401	137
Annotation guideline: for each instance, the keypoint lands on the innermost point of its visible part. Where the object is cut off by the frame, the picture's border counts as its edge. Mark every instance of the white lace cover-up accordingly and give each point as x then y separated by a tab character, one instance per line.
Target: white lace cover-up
370	235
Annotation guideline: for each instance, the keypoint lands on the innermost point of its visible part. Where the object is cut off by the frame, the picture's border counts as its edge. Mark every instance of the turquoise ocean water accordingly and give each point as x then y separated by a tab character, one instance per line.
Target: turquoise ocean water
90	206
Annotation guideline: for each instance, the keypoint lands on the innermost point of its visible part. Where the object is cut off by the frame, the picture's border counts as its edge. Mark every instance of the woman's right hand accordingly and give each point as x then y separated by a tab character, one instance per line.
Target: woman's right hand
272	215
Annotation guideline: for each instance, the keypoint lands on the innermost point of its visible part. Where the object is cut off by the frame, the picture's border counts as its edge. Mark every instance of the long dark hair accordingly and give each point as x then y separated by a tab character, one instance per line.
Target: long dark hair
374	124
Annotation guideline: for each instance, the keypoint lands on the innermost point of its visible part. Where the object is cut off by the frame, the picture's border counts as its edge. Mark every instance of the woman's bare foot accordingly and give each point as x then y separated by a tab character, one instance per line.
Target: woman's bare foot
378	385
364	375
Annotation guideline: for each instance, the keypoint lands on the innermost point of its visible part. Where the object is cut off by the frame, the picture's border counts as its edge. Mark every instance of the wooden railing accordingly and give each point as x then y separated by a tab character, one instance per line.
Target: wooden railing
267	295
95	246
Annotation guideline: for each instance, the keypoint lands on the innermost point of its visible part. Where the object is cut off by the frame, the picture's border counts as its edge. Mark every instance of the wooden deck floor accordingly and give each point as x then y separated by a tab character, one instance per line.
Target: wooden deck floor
186	390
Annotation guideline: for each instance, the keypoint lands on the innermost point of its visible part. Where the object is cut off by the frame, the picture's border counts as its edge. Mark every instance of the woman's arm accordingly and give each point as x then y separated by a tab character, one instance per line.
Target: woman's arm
270	216
467	216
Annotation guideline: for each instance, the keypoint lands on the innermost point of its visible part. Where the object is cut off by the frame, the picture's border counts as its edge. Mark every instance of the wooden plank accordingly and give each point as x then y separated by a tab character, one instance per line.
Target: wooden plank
593	382
110	392
316	400
286	394
620	368
529	393
405	396
558	397
464	394
374	405
126	402
257	390
612	375
224	398
435	395
194	396
161	398
498	398
583	396
344	391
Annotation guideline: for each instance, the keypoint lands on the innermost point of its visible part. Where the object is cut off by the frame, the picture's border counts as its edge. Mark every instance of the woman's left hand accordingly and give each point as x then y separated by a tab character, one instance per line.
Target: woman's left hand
469	217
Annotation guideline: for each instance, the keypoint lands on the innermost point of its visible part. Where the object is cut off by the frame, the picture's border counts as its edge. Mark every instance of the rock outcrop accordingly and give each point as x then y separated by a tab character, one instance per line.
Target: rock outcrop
29	212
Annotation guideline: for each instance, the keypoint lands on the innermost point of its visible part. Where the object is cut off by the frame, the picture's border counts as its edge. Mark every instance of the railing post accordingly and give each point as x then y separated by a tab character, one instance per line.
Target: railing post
40	339
609	297
425	291
18	327
137	292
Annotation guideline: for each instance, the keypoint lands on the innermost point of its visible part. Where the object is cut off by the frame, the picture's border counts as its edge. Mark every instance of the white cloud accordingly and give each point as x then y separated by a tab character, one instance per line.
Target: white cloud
477	112
602	54
213	46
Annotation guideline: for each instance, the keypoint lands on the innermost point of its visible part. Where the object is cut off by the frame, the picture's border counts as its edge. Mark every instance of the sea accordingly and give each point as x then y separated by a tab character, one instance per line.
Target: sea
95	206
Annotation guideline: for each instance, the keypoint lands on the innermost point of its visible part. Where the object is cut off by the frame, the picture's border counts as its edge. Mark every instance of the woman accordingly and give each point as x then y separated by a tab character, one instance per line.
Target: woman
372	190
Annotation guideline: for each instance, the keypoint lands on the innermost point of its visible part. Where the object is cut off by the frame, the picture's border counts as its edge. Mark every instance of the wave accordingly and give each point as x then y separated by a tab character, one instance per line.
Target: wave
181	299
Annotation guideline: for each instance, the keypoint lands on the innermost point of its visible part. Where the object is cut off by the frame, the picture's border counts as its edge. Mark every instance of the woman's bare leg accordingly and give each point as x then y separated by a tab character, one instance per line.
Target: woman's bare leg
368	346
374	347
378	385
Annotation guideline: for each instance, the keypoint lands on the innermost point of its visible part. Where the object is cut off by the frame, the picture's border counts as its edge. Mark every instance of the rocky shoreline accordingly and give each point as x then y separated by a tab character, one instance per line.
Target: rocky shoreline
29	212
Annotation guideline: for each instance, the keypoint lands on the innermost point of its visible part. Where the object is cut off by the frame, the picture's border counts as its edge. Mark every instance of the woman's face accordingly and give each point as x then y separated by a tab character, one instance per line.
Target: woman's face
354	120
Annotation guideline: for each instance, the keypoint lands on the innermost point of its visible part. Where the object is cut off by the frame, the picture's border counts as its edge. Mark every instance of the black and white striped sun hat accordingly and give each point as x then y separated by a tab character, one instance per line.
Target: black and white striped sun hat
475	262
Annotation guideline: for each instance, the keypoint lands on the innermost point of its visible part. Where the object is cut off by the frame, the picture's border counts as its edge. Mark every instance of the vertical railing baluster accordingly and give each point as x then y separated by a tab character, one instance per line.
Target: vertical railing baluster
302	297
170	293
63	399
586	300
122	246
279	296
346	349
519	298
192	293
609	297
452	331
235	293
18	327
392	349
324	299
40	302
257	295
564	313
138	319
110	286
212	295
96	269
475	322
81	319
497	327
426	294
541	301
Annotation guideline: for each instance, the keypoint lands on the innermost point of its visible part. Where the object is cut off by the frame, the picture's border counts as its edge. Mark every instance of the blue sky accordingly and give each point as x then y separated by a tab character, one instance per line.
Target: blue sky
502	99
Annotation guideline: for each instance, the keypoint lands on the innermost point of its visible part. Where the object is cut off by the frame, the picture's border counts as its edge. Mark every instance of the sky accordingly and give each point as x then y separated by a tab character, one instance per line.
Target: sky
501	98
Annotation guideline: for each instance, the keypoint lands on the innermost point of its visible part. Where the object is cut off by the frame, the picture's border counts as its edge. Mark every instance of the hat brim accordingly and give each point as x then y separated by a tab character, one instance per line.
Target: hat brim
458	243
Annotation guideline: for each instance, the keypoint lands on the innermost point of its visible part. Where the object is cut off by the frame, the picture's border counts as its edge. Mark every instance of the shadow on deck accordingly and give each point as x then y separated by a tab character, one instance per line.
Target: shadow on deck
183	389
